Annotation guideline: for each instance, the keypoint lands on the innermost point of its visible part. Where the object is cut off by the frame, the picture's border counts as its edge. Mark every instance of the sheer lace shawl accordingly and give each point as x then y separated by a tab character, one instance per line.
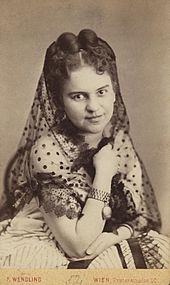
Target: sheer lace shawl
44	121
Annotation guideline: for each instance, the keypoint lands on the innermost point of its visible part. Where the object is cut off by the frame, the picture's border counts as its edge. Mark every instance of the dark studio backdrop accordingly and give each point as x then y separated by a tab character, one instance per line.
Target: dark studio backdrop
137	30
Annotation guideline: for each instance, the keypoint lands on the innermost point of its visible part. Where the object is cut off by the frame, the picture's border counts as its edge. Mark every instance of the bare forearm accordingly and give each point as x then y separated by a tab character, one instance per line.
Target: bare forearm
75	235
91	224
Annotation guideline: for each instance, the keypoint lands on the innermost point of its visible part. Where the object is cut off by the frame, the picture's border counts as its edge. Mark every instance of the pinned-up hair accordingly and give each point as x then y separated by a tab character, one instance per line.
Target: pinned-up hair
69	52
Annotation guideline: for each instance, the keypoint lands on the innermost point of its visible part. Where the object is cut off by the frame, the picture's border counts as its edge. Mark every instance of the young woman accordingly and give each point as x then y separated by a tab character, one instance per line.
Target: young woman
81	195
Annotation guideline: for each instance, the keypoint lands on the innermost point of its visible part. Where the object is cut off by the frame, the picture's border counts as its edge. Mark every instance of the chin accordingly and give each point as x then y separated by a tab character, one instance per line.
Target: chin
94	130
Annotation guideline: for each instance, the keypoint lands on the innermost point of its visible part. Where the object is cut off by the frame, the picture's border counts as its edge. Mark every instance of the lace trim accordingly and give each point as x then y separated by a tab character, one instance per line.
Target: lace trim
59	197
60	202
121	202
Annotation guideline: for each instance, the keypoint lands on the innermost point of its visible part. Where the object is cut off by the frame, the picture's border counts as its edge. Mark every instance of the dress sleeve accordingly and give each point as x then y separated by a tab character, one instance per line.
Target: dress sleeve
133	198
58	190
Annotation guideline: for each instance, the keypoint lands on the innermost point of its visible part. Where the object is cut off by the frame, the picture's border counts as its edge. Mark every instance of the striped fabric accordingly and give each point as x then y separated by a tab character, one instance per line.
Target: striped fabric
126	252
149	250
31	253
35	247
31	248
107	259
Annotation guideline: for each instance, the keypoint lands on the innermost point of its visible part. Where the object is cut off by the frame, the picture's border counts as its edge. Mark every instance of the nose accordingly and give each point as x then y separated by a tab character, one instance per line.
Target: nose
92	104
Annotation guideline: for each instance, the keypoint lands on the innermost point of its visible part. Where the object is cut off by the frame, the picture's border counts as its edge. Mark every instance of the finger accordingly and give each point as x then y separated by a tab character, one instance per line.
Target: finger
105	243
99	250
111	145
81	258
107	147
93	247
106	238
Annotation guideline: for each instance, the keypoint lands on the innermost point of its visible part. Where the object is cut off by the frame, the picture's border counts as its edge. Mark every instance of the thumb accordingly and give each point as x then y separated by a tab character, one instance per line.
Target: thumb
92	248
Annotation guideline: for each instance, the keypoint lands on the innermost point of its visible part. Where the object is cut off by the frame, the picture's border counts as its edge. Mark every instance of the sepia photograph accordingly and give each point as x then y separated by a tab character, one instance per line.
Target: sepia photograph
85	141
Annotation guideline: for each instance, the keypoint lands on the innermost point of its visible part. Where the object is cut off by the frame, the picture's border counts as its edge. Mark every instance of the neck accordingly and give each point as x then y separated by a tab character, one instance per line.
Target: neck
93	139
70	130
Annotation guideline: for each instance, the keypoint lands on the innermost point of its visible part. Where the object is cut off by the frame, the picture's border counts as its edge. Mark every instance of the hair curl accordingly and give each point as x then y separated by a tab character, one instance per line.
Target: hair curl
63	56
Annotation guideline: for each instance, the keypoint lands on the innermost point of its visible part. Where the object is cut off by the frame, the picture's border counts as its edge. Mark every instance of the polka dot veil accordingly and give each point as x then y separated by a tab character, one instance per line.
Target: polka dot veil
39	123
44	115
44	119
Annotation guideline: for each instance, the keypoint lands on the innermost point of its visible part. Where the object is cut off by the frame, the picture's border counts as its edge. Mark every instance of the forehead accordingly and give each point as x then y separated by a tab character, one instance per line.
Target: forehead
86	79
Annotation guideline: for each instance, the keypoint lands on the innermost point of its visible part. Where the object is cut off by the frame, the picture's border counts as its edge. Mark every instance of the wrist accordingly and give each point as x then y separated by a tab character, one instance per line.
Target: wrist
100	195
124	231
104	197
104	172
102	181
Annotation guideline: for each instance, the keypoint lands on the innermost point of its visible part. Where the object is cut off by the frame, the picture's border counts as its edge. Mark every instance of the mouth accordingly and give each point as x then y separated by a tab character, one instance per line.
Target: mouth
94	119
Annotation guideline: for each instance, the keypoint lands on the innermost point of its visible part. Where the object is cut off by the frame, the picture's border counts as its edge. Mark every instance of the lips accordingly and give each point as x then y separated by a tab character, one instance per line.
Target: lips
94	119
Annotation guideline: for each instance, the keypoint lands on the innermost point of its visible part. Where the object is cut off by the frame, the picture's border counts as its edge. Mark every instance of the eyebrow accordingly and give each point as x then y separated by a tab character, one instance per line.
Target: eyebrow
83	92
107	85
76	92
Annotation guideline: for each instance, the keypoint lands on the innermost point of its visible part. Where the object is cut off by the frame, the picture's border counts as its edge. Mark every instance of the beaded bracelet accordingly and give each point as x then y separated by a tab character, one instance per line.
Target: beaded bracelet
104	197
99	195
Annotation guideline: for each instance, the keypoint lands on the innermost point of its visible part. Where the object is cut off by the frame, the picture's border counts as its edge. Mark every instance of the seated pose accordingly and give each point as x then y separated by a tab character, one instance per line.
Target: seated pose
80	194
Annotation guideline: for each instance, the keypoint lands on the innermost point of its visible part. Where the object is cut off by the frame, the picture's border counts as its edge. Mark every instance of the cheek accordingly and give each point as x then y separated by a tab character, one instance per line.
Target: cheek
110	111
109	103
73	111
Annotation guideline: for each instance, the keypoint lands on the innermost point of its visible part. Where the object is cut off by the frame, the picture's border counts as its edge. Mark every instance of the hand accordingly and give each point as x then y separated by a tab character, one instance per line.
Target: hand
106	161
103	241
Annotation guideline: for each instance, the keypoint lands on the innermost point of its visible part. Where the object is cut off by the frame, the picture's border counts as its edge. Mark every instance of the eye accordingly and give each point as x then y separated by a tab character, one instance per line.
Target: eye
102	92
78	97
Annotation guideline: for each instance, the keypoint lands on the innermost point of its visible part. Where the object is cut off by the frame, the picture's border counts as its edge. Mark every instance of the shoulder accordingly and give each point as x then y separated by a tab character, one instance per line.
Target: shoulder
46	145
126	152
46	153
45	142
123	141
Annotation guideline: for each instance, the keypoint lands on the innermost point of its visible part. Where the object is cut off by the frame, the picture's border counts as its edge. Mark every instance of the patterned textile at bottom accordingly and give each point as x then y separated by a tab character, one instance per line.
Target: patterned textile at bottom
35	247
156	250
33	254
150	250
31	248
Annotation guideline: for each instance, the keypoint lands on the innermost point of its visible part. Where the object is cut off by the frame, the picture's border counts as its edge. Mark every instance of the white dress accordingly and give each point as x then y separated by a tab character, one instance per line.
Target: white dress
27	242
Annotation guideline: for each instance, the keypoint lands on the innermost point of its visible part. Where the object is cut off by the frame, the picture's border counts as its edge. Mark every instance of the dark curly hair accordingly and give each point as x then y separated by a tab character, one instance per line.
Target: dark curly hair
63	56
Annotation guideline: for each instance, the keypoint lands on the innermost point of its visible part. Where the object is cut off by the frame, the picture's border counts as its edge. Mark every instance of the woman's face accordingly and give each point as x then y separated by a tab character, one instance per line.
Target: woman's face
88	100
